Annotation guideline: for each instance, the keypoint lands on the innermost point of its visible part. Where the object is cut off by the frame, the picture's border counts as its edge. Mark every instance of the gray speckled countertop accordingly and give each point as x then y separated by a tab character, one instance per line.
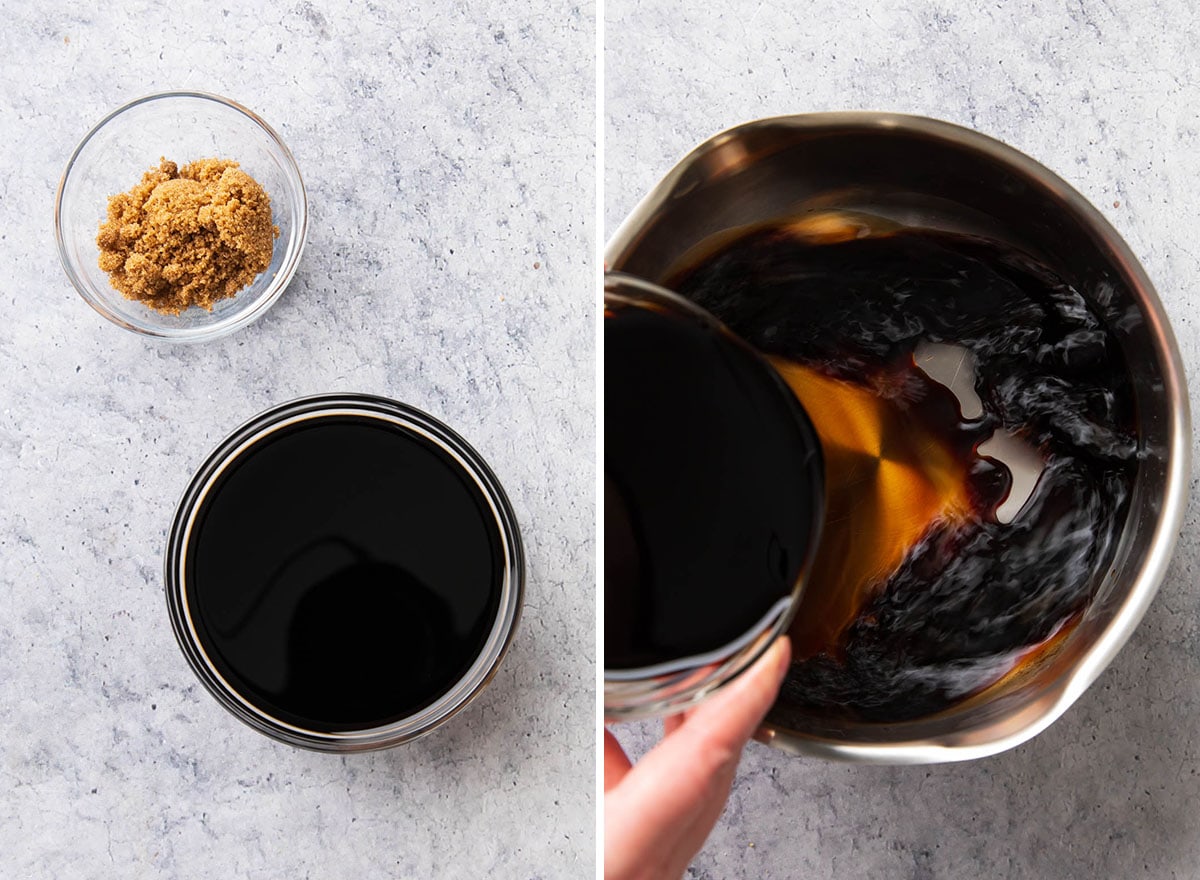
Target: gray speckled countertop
1105	94
448	153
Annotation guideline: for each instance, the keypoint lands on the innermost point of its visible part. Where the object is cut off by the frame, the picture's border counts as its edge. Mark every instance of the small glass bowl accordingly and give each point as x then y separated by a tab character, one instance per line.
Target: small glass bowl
181	127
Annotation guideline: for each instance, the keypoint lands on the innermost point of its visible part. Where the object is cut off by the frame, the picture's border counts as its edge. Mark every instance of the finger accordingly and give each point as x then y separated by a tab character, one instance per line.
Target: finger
729	718
690	767
669	802
673	722
616	762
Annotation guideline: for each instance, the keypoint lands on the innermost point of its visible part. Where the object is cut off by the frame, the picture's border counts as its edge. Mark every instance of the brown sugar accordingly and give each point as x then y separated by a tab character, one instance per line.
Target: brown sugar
187	236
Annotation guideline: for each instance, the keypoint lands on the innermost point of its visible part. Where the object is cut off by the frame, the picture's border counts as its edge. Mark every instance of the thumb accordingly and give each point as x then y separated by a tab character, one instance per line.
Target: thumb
616	762
659	815
726	721
712	738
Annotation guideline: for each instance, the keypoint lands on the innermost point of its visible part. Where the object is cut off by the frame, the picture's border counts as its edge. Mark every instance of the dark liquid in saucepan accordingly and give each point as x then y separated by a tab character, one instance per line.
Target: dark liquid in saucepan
920	595
343	573
706	484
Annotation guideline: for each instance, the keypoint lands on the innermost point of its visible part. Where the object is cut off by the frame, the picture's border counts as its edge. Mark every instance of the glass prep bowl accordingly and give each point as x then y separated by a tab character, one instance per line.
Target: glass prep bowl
181	127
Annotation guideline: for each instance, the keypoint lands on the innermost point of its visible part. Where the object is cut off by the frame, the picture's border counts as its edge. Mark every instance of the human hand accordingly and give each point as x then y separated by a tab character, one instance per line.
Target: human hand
658	814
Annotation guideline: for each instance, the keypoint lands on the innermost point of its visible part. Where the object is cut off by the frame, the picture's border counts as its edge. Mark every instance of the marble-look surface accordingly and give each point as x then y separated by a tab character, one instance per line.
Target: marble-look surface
448	151
1105	94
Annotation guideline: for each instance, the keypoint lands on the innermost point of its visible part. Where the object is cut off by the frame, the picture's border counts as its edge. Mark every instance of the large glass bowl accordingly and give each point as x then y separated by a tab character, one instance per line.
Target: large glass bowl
181	586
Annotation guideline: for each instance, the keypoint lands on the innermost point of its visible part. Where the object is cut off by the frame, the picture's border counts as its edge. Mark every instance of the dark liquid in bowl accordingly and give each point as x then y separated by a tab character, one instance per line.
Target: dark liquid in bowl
711	479
920	595
343	573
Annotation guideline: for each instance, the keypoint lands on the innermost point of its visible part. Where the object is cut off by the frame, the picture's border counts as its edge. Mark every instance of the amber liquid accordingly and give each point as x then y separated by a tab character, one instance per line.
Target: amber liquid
894	469
920	594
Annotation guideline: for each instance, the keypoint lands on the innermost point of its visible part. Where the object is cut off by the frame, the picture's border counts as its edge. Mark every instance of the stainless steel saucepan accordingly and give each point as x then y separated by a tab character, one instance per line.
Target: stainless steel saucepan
927	173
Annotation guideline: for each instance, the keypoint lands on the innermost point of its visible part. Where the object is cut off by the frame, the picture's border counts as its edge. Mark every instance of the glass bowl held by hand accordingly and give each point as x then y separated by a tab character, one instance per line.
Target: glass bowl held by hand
182	127
713	502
